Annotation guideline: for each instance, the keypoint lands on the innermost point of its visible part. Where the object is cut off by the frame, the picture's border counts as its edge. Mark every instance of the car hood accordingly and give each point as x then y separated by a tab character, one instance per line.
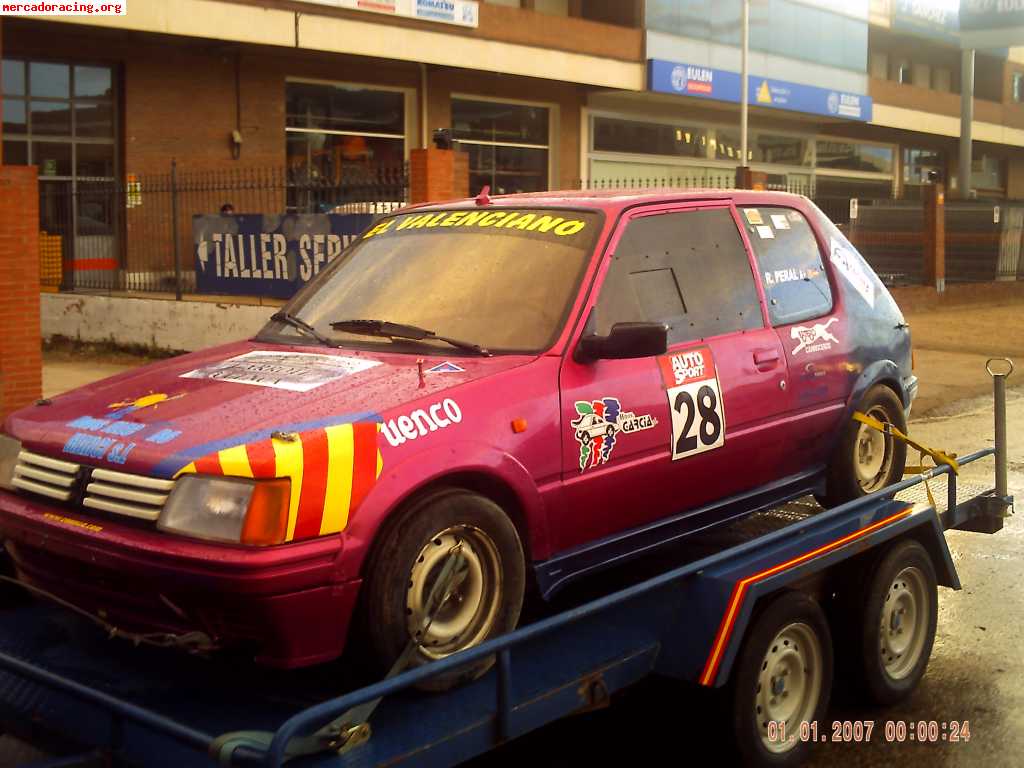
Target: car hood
159	418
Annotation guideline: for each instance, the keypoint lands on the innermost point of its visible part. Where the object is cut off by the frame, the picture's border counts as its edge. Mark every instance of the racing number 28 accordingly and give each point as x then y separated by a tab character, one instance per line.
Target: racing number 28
698	423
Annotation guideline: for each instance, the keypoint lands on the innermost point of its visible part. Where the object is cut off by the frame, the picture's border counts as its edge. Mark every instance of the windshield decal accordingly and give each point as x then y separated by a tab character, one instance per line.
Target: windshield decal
536	222
293	371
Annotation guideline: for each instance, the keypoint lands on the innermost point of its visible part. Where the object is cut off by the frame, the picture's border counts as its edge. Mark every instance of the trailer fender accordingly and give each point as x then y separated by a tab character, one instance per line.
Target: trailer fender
726	598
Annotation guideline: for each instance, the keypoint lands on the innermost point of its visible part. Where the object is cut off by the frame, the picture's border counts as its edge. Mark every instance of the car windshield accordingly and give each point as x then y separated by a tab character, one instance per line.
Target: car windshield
502	279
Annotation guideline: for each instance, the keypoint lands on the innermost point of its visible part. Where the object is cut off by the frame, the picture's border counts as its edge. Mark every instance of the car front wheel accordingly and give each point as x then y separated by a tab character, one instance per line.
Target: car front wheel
483	596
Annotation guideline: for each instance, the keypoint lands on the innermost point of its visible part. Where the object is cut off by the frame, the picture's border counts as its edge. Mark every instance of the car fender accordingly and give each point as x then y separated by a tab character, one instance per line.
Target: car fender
879	371
400	482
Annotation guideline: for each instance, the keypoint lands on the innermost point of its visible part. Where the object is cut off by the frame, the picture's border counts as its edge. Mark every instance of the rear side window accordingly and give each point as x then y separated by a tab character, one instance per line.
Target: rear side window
790	262
687	269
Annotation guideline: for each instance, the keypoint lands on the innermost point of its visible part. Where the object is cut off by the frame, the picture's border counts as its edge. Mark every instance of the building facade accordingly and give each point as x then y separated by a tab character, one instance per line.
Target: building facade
857	98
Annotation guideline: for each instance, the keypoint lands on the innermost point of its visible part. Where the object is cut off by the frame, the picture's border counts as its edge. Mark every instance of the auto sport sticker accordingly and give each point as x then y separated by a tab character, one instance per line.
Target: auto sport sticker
420	422
598	426
694	401
293	371
852	270
815	338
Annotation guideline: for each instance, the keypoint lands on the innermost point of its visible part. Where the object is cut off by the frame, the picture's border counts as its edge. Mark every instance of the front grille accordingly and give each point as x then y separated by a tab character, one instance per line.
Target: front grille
45	476
124	494
118	493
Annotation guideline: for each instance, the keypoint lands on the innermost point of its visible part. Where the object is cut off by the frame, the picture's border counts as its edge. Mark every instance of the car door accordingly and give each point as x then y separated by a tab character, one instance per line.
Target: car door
810	325
687	428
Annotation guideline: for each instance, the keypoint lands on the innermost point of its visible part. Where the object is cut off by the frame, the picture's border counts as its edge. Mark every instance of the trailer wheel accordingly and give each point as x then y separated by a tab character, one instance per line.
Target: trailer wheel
892	646
866	460
485	598
783	678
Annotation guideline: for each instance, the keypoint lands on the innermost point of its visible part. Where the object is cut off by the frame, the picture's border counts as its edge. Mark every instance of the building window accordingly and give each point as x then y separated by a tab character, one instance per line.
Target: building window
988	173
60	117
507	143
848	156
615	135
918	163
1018	87
336	135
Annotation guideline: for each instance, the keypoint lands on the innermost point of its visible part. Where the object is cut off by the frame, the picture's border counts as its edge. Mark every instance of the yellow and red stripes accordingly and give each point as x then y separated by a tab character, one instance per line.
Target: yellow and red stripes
331	469
739	591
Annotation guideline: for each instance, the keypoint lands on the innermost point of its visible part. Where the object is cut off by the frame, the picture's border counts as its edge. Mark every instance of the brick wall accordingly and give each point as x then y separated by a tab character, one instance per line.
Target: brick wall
20	354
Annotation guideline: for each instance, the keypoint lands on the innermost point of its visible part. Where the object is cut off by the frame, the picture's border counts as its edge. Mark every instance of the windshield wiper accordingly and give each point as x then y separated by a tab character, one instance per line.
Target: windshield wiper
402	331
302	325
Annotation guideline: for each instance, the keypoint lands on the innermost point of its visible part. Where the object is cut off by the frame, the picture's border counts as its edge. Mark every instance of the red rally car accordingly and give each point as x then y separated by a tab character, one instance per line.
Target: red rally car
556	381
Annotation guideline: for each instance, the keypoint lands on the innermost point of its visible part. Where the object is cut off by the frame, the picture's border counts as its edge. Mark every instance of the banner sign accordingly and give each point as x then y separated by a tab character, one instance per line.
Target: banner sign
253	254
462	13
991	23
722	85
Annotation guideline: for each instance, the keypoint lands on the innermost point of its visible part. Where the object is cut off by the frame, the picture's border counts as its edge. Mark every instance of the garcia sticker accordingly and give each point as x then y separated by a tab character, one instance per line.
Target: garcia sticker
598	425
294	371
694	401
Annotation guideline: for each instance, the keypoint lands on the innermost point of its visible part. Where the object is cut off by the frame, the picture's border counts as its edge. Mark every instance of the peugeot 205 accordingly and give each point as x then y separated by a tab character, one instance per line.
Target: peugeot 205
550	383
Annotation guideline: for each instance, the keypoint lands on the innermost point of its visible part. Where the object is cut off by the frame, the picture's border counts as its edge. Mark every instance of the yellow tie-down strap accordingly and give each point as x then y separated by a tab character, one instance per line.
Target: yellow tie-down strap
939	457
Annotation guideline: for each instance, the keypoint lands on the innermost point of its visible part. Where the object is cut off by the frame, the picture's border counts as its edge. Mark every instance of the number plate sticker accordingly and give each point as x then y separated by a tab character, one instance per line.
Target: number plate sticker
694	401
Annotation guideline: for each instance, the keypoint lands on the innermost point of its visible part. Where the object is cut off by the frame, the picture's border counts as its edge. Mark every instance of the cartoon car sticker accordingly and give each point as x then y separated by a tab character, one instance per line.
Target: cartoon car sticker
294	371
815	338
694	401
598	425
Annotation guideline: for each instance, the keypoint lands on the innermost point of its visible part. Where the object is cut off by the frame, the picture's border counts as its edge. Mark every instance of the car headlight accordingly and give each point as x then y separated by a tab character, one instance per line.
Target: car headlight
9	450
231	509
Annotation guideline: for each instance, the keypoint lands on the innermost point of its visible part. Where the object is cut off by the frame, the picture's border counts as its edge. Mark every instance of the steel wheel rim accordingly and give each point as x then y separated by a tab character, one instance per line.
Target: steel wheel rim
467	616
903	626
872	453
788	684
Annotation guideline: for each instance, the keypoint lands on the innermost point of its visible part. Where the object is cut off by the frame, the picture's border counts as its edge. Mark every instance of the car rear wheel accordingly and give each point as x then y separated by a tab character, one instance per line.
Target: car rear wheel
484	595
867	460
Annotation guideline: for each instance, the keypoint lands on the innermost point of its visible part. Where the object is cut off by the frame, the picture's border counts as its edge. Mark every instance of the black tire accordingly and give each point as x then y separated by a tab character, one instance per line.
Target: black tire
770	647
405	565
880	664
843	482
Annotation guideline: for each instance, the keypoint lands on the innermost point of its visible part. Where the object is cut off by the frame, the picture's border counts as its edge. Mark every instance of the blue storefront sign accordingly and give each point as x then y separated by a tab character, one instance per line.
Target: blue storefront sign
254	254
722	85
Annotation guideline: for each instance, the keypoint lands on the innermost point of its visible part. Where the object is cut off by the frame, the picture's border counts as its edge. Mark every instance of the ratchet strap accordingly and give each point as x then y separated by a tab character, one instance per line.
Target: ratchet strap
352	728
939	457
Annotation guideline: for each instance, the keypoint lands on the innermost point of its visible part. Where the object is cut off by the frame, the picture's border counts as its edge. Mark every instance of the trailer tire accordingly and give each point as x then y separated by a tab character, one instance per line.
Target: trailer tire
408	559
899	611
787	650
865	460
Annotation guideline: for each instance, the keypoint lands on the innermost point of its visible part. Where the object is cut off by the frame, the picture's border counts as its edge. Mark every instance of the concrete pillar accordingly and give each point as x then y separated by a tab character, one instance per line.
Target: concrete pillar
438	174
934	201
21	367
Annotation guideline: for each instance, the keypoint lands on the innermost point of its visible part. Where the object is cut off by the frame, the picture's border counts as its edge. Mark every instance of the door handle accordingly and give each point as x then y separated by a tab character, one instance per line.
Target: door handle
766	359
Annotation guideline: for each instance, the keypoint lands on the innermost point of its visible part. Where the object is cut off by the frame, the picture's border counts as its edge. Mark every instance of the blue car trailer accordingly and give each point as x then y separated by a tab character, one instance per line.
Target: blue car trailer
758	610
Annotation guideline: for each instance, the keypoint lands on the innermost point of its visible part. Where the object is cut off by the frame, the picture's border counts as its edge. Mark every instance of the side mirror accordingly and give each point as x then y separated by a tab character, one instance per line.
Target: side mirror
624	341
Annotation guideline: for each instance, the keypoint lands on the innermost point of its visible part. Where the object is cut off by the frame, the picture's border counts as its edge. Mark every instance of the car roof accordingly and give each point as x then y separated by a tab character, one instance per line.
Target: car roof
617	199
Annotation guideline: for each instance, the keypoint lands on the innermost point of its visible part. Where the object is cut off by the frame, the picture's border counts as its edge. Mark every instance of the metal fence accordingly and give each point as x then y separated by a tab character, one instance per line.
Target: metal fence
136	235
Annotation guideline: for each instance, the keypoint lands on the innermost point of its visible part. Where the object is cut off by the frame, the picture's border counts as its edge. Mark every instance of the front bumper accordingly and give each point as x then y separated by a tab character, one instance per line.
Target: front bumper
285	602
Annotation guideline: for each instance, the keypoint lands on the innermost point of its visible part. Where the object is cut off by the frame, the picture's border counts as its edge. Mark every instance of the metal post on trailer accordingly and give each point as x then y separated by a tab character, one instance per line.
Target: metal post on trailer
999	410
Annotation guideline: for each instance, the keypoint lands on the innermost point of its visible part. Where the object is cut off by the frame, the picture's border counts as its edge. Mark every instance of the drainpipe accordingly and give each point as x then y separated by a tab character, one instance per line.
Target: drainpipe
966	118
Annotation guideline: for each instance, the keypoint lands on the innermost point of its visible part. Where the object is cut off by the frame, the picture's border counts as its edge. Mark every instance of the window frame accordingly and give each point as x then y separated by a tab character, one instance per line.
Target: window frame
553	127
627	217
824	257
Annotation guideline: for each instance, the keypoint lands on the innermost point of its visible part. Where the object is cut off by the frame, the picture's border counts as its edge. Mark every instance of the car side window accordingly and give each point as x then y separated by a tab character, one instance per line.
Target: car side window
687	269
790	262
